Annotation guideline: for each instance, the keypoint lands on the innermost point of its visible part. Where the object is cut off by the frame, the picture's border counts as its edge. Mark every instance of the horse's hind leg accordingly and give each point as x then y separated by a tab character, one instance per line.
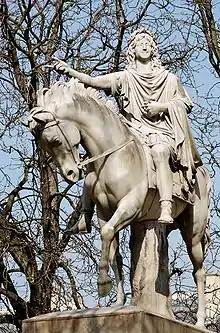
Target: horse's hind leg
116	264
201	238
193	233
197	258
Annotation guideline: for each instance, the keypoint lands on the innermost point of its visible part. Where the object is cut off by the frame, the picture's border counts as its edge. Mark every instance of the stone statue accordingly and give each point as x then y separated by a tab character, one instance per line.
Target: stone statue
156	105
120	172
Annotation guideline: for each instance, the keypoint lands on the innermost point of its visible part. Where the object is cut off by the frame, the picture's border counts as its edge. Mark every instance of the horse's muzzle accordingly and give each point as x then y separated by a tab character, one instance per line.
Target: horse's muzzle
72	177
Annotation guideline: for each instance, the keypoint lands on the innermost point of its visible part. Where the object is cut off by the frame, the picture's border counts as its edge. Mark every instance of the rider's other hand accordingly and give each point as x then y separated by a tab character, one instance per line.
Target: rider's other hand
153	109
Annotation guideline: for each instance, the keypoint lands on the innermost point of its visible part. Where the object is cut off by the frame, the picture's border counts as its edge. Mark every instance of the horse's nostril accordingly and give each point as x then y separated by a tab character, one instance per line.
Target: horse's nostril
70	173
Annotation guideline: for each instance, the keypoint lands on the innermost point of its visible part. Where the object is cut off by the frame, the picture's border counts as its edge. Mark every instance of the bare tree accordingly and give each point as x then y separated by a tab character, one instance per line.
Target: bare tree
211	31
37	209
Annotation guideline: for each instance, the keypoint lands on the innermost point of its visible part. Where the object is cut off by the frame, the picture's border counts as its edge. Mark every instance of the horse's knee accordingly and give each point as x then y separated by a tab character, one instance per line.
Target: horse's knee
160	152
197	257
197	254
107	233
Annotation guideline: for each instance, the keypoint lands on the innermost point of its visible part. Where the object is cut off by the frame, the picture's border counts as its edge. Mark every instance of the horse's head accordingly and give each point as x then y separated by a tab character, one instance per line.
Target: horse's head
60	138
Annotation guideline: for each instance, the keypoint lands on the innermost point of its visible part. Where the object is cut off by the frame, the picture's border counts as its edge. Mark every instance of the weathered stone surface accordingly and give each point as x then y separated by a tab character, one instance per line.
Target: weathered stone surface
106	320
149	268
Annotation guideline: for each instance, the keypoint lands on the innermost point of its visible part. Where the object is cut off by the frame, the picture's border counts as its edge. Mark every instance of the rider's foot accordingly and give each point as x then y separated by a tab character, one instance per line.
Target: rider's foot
166	210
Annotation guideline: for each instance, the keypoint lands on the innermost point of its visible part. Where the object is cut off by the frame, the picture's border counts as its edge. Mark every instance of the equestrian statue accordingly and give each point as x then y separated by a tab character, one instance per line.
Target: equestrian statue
142	164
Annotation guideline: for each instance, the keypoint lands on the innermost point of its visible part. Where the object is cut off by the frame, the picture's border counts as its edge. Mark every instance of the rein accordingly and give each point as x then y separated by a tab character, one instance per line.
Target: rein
106	153
82	164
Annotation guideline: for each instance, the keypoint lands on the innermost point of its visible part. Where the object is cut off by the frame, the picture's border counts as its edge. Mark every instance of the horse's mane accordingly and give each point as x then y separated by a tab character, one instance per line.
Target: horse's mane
65	92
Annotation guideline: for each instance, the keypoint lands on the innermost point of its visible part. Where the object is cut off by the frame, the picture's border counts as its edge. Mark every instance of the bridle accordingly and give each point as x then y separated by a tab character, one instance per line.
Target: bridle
56	122
83	162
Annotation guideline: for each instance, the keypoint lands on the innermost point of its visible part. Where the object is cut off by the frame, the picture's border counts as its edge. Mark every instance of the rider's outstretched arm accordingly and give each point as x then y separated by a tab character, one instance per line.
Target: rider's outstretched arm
99	82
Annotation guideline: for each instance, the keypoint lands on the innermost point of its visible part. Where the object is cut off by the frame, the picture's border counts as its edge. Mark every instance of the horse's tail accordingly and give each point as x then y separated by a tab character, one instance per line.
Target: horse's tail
206	237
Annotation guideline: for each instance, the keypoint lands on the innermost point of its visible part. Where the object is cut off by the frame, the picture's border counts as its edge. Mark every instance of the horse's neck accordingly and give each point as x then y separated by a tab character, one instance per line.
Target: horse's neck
100	129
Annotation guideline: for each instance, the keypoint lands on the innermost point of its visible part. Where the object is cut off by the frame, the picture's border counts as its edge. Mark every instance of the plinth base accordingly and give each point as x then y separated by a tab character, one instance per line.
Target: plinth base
130	319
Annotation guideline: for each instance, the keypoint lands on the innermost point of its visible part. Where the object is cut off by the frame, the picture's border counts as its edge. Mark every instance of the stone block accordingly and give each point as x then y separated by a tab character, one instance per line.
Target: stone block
130	319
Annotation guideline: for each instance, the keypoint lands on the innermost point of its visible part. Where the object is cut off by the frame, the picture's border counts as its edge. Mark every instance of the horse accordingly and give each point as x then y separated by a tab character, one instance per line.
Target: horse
68	114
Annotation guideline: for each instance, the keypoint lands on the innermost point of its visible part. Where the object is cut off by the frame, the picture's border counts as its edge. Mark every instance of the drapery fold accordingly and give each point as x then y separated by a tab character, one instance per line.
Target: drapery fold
134	88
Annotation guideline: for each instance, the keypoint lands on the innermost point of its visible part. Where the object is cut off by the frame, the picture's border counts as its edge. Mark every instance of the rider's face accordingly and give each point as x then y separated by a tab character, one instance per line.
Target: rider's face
143	49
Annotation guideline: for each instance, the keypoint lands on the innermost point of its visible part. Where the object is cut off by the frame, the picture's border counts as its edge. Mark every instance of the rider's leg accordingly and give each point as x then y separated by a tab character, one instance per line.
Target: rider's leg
161	154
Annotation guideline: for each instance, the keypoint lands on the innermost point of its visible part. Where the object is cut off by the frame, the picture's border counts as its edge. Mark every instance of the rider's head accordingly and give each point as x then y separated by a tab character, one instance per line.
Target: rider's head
135	38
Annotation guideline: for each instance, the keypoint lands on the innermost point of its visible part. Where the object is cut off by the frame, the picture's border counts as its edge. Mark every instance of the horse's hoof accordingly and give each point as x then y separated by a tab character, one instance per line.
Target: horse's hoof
200	324
121	301
104	287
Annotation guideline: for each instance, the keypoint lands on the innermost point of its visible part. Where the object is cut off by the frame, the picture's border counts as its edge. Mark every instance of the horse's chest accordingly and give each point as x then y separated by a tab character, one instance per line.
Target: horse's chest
101	192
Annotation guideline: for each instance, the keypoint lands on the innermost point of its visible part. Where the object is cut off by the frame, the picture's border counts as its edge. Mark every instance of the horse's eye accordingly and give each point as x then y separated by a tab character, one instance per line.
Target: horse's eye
56	142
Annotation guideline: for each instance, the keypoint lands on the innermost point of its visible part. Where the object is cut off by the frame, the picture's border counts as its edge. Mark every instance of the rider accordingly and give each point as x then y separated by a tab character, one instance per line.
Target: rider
153	101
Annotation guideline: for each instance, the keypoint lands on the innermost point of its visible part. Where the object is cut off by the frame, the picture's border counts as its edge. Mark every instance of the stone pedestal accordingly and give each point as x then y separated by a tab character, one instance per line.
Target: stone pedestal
106	320
149	268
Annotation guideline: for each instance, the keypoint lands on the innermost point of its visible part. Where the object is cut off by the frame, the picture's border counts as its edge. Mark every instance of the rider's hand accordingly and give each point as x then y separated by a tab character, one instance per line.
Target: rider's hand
60	66
153	109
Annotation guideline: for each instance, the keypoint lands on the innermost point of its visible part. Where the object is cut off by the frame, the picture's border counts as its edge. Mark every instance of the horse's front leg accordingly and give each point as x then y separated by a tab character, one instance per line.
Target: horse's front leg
128	209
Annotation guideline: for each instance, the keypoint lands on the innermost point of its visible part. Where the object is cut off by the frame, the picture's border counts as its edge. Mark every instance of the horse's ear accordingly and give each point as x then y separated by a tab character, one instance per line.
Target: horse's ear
43	117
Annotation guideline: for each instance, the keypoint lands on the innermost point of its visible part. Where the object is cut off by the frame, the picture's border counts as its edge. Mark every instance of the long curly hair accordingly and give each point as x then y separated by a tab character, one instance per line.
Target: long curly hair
135	37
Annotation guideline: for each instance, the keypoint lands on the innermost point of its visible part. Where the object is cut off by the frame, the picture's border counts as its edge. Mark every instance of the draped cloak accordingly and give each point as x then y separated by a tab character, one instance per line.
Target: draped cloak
134	88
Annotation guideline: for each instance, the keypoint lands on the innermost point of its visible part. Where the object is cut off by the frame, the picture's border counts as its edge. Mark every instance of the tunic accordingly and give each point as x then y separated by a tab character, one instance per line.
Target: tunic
133	89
